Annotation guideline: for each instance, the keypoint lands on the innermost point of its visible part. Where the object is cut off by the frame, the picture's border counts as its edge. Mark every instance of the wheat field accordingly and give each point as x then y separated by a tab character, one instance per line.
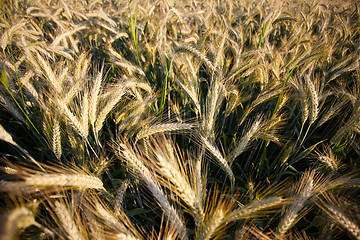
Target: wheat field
171	119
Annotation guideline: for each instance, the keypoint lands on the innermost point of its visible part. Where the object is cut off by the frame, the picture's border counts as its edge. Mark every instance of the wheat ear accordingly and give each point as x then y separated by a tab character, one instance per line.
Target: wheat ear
72	119
330	113
219	157
8	170
25	80
120	196
49	74
16	188
94	97
253	208
343	221
72	92
260	99
160	128
170	170
64	180
192	94
214	99
96	230
101	117
113	221
304	103
154	187
314	99
82	66
10	106
215	221
354	119
118	225
85	112
56	139
241	145
292	212
265	97
67	221
197	54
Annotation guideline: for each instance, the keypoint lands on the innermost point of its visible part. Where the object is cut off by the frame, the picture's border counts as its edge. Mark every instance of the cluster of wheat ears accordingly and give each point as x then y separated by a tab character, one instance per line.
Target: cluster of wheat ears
199	119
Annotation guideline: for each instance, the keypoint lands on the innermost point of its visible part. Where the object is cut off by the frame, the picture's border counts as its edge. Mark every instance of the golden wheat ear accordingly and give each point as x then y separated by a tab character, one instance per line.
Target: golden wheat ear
335	208
136	162
213	149
167	160
217	206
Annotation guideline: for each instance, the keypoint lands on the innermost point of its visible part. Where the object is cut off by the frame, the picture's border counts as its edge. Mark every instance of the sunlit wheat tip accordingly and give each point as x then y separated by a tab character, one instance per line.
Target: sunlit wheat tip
63	180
